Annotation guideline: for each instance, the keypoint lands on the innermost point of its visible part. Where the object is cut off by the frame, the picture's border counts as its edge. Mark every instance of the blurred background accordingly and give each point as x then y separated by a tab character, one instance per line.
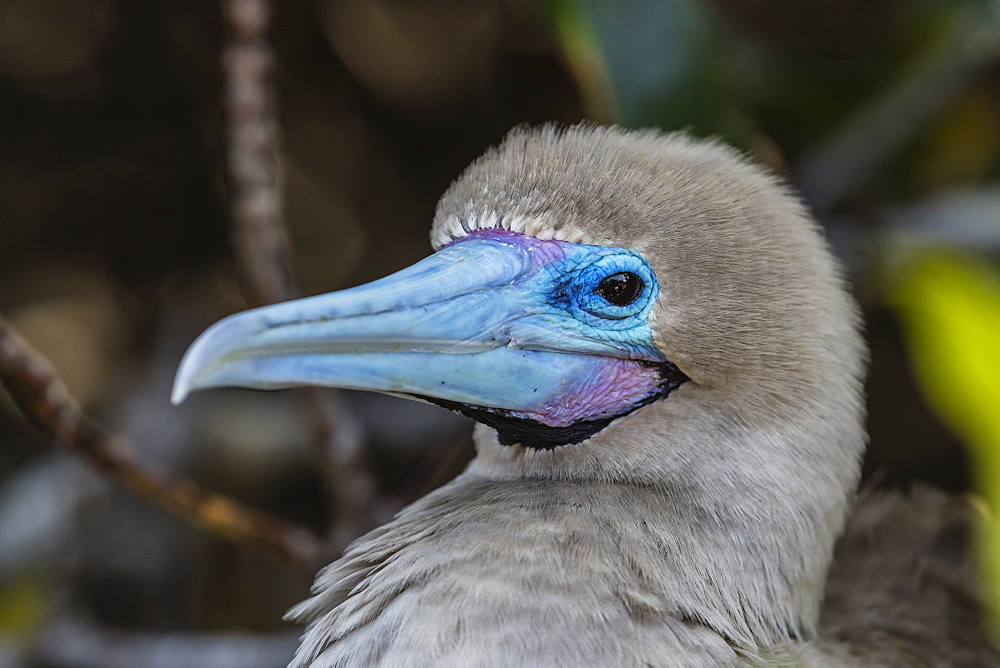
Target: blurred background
116	250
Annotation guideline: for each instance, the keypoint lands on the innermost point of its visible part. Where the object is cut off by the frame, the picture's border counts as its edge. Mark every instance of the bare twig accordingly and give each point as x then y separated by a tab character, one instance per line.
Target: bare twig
252	153
339	442
44	400
261	247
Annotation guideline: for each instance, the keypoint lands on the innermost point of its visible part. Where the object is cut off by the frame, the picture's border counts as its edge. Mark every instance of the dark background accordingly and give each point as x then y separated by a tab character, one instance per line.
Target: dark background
115	244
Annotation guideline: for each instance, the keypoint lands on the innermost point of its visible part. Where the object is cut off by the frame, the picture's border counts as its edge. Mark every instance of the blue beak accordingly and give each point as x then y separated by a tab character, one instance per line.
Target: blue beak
487	322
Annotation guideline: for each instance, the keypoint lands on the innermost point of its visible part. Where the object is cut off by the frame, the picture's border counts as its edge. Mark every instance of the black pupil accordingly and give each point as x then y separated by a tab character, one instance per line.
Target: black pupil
621	289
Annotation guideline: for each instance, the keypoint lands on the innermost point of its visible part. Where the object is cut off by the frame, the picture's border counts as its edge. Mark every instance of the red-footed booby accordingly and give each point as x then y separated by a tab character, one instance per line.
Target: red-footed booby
668	372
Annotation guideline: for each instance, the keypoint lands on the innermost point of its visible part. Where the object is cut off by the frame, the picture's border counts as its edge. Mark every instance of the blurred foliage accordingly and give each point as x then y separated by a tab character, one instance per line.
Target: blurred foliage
23	603
950	305
114	246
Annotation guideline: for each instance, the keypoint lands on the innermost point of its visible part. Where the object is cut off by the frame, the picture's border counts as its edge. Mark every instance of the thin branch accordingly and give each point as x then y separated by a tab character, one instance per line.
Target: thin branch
262	250
252	143
45	401
338	441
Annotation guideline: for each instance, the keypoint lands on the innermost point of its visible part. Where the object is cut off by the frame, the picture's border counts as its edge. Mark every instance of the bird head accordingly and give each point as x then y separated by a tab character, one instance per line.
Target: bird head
610	305
638	320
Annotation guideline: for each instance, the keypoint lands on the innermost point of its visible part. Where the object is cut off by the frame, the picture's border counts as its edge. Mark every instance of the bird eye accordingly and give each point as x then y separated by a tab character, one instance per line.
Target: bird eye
621	289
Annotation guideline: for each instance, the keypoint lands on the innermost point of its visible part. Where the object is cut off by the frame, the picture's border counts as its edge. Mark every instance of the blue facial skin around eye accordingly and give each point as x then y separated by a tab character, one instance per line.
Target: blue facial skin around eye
588	300
563	289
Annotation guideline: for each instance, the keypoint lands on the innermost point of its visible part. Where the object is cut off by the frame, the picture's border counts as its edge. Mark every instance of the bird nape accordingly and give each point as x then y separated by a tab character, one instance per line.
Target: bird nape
667	372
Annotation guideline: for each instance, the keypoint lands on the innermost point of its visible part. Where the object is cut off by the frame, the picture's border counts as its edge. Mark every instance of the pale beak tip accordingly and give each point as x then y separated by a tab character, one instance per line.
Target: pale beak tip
189	373
182	385
178	394
201	359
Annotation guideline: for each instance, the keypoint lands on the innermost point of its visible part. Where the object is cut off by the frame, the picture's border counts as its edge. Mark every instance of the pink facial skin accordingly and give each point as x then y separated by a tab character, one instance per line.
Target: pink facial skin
614	387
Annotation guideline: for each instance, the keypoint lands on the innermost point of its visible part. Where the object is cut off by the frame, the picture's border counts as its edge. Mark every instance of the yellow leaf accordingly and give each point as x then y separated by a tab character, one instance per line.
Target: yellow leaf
23	604
949	302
